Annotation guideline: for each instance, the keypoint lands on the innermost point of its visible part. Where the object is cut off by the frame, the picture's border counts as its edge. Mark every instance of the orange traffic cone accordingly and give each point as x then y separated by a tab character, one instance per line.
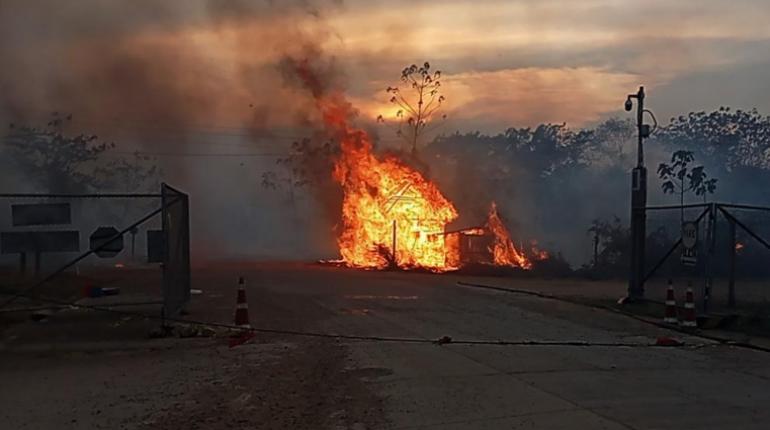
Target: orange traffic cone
670	317
689	310
242	307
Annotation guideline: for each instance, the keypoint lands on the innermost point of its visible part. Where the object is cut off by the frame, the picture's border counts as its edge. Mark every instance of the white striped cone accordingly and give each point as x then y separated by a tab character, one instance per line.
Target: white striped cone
242	307
689	311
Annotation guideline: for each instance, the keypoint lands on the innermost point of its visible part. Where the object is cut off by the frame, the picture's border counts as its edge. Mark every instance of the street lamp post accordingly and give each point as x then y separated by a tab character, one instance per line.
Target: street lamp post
638	201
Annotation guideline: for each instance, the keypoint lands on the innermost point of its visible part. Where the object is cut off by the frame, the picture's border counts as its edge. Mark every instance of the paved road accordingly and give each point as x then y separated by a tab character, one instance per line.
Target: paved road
615	381
484	386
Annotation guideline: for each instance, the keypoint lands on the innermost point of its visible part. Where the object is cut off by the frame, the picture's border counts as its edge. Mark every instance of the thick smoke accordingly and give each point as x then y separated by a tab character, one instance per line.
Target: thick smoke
177	63
183	80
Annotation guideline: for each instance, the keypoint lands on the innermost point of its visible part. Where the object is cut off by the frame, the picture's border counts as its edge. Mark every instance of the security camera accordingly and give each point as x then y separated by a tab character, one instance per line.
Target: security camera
629	105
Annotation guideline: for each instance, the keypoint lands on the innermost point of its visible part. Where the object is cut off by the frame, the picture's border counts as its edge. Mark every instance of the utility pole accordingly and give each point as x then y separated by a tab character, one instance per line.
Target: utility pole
638	201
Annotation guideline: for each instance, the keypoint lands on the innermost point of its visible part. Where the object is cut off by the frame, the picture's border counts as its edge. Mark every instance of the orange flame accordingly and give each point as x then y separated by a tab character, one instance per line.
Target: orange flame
391	214
503	250
537	253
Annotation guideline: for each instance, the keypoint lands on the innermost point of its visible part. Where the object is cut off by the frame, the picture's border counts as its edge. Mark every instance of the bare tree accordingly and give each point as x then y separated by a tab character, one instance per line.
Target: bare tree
420	106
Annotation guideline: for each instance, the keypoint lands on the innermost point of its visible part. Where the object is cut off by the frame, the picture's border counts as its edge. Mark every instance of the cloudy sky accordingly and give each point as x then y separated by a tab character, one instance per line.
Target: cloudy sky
195	82
527	61
505	62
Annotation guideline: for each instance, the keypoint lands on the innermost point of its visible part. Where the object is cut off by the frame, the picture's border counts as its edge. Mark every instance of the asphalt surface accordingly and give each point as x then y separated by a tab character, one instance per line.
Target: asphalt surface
514	361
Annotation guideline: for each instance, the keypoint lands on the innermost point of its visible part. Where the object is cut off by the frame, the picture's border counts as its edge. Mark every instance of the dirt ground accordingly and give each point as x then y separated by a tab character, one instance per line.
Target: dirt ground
195	384
79	369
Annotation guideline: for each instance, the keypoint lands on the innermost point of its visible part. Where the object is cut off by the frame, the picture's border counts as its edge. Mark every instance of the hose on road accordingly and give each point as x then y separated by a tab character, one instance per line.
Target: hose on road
337	336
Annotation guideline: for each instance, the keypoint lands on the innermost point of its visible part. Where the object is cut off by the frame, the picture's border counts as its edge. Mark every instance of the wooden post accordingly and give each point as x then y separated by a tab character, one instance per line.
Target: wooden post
394	242
731	279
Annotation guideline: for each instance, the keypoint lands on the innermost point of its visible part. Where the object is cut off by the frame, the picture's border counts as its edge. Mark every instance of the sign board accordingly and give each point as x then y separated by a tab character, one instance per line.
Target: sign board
689	243
16	242
689	256
155	246
102	235
689	234
41	214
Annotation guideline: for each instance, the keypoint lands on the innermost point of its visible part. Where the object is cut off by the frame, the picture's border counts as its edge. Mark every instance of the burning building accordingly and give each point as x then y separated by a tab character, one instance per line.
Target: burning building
392	216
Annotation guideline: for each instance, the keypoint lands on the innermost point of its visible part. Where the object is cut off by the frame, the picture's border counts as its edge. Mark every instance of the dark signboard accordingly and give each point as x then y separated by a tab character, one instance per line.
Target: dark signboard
15	242
41	214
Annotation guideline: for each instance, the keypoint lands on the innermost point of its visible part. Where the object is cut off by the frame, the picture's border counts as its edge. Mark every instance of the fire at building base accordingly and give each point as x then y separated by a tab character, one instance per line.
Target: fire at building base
392	216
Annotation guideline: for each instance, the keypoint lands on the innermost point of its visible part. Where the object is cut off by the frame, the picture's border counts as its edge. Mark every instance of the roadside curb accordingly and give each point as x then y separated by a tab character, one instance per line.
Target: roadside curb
691	332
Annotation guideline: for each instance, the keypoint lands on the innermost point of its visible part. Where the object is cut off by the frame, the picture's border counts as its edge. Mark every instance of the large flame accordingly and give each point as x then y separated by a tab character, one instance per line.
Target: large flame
504	252
391	214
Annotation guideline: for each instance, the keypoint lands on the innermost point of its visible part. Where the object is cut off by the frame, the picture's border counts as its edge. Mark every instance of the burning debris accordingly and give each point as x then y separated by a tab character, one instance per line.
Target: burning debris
392	216
490	244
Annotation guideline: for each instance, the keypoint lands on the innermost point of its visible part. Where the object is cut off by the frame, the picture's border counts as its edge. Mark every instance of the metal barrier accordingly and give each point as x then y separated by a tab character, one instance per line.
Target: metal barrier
708	215
176	261
174	254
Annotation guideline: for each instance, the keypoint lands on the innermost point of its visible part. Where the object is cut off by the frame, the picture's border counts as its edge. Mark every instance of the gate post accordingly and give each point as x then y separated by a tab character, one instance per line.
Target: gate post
731	273
711	227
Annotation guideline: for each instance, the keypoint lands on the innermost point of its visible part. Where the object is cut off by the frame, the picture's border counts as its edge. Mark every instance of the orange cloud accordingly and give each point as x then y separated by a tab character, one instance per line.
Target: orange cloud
520	97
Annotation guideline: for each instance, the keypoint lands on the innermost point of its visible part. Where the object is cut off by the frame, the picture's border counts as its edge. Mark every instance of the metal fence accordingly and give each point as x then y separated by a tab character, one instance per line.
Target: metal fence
70	231
733	242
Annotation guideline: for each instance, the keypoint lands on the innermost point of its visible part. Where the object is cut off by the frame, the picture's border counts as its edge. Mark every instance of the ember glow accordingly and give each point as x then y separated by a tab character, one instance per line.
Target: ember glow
392	216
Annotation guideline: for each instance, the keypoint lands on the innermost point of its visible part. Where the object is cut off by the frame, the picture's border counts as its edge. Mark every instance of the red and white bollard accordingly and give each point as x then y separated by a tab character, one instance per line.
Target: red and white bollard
689	310
241	318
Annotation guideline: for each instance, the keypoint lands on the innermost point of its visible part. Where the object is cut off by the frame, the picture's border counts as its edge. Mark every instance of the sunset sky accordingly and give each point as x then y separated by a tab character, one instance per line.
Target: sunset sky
505	62
521	62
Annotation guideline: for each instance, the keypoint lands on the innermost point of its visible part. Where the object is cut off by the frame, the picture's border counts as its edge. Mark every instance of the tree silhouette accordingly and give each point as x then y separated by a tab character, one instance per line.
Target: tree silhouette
419	107
59	163
308	164
732	138
679	178
612	142
700	183
612	237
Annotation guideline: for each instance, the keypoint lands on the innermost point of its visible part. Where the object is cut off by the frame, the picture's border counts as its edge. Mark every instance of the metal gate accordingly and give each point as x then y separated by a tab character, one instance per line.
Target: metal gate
176	250
714	254
172	249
